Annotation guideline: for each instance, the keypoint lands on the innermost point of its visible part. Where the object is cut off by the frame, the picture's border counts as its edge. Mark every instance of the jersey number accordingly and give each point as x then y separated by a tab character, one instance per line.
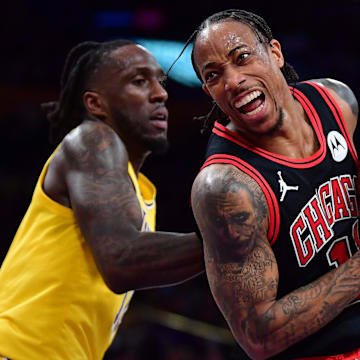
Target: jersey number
339	250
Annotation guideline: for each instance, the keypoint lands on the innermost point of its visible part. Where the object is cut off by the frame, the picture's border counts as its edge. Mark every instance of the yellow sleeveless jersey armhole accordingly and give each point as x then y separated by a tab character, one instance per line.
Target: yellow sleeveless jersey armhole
43	198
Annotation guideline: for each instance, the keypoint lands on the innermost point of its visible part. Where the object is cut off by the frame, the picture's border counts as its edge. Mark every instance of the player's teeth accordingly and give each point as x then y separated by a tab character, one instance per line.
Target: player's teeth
253	95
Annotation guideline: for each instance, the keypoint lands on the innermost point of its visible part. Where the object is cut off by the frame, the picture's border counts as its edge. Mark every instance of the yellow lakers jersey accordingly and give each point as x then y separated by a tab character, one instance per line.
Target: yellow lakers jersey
54	303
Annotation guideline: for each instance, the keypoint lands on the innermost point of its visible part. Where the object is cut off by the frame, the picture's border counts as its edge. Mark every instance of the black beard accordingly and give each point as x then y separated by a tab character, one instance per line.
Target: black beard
132	135
157	146
279	123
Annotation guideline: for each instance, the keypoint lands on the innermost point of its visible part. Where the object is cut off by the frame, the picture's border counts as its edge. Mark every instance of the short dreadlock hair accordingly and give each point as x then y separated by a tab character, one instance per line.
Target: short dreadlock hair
80	65
264	34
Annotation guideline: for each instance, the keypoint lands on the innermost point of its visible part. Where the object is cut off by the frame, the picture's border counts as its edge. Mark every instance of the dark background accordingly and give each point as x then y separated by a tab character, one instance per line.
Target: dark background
319	38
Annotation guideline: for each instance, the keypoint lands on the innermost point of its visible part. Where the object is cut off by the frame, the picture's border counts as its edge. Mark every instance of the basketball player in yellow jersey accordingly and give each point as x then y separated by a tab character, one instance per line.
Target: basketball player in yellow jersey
87	240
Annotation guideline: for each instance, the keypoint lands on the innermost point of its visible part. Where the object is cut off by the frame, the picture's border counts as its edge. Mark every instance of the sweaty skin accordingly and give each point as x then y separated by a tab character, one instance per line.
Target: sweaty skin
231	209
232	67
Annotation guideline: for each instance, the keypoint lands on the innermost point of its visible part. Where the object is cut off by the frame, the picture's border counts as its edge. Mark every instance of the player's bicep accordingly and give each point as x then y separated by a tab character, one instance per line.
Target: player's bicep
229	207
102	197
104	203
232	214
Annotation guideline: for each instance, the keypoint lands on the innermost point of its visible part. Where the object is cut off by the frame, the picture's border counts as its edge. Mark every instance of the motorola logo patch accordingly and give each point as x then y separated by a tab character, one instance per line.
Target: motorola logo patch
337	145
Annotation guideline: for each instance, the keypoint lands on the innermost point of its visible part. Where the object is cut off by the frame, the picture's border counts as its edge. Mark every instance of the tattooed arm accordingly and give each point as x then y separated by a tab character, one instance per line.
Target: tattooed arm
232	214
93	162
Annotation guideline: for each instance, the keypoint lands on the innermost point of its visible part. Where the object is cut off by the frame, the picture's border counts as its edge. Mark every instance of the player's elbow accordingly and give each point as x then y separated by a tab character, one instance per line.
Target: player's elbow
116	286
255	342
125	279
256	351
257	354
117	281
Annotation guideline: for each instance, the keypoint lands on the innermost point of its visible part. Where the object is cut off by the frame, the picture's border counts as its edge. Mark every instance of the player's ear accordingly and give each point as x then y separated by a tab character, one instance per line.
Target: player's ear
95	104
275	49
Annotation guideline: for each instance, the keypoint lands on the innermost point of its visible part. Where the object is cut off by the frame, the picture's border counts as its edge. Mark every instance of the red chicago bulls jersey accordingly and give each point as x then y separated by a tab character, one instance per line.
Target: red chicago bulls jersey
312	207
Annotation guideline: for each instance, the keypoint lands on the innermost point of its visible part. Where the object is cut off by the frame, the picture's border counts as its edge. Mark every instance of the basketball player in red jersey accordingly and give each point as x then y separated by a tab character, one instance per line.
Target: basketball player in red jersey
276	200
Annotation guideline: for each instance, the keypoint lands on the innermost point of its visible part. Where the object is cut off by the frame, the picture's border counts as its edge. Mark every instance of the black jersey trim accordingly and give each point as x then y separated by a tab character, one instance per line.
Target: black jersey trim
313	160
273	206
335	109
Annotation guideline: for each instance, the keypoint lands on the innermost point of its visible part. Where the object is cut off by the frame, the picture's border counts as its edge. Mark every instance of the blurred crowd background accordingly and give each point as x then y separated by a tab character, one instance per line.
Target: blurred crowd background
319	38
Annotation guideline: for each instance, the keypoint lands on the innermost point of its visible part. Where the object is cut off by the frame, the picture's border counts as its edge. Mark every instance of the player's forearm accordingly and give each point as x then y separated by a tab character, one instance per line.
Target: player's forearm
300	313
156	259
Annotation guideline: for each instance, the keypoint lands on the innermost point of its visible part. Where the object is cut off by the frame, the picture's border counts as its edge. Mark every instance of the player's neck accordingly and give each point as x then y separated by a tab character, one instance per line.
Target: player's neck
294	137
137	159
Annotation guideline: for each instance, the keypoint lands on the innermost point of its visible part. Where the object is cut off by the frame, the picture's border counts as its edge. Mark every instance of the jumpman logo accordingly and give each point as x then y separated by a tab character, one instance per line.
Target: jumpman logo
284	187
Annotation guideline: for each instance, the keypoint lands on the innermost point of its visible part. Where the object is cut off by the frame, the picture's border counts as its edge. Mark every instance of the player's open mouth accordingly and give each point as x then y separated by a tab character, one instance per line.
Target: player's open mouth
251	104
159	117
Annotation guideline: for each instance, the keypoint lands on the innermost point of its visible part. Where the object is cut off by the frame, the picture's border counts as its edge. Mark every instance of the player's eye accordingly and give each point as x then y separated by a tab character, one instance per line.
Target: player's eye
242	57
211	75
139	81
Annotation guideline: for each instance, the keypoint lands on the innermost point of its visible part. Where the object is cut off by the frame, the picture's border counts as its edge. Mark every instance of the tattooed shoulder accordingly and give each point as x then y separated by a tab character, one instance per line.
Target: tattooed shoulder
230	207
94	143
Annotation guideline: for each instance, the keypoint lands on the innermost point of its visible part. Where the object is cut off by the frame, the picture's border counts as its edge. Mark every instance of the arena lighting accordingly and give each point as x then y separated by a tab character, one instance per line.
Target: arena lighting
150	19
166	52
113	19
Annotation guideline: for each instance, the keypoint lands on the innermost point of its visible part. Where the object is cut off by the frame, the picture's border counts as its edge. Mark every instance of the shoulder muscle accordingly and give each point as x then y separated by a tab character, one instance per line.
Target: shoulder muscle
345	99
94	143
342	90
229	207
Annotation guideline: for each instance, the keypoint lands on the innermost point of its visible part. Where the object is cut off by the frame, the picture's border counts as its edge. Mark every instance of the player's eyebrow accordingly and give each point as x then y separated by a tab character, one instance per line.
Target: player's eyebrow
230	53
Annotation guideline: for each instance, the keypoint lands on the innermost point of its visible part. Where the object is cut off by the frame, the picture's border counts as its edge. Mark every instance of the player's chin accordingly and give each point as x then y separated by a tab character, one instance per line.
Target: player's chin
158	144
